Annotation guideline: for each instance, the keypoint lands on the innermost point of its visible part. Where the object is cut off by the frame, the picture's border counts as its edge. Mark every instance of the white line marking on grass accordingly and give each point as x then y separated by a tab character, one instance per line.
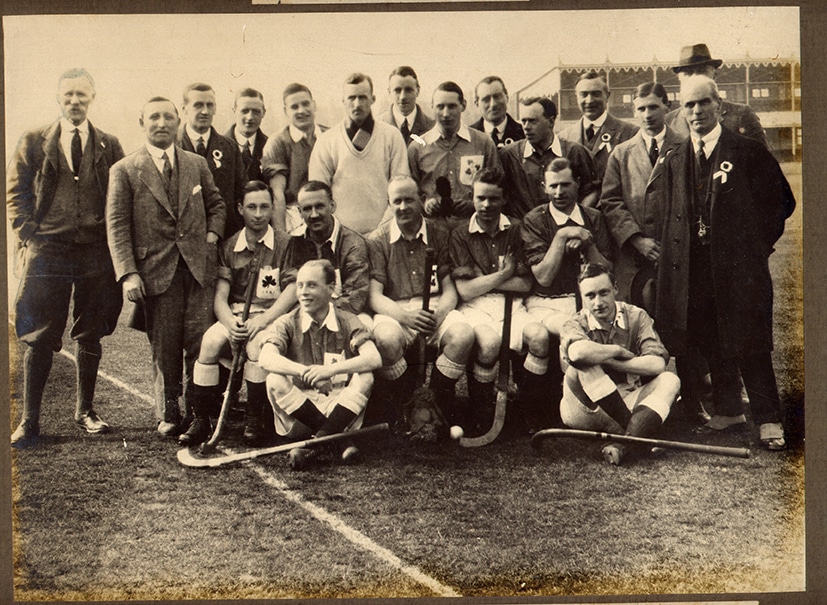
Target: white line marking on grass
353	535
358	538
118	383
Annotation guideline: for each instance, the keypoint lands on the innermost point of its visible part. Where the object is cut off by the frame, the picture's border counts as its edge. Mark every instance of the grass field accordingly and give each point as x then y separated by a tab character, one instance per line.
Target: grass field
115	517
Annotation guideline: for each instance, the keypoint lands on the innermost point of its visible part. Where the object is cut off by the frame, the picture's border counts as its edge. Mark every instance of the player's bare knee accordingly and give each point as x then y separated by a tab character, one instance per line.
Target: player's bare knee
536	338
278	385
458	342
390	342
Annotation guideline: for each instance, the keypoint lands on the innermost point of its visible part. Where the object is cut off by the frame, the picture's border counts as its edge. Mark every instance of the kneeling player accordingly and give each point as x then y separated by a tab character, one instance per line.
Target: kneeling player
397	254
486	256
234	267
610	346
321	361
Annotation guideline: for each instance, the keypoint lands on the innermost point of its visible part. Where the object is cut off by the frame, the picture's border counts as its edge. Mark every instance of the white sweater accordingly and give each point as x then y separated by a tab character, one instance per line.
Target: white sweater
359	179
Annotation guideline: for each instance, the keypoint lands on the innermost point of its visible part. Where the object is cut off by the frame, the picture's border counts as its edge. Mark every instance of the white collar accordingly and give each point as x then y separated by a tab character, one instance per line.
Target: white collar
158	153
433	135
301	231
598	123
396	233
194	136
489	127
619	320
399	118
561	217
241	139
267	239
555	146
67	127
297	135
329	322
710	140
658	137
474	226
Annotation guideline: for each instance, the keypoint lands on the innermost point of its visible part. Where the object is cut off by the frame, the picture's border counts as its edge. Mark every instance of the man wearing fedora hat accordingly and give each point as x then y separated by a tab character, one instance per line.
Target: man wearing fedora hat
740	118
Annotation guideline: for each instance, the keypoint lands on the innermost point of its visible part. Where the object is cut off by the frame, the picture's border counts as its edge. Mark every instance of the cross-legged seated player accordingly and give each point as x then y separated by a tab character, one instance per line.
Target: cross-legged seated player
268	303
397	253
612	348
486	256
321	361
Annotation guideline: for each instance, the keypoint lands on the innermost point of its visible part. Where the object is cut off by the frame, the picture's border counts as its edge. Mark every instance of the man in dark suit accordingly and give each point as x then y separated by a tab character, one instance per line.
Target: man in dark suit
725	201
222	154
598	130
163	218
405	113
491	98
246	132
697	60
56	195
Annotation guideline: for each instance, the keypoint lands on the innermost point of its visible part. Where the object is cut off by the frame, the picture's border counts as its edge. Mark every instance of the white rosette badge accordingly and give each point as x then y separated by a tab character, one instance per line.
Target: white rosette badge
216	157
606	142
725	168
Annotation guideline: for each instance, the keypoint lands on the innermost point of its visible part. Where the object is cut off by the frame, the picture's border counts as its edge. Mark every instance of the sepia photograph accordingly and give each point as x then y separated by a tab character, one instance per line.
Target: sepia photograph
498	301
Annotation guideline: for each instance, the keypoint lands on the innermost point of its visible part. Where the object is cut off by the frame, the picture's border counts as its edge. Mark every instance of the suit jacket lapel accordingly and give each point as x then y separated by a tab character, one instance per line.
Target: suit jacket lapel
51	145
723	153
186	170
670	142
151	177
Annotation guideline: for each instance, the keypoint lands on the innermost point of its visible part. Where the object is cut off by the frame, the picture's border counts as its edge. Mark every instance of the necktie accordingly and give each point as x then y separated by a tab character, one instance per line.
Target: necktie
245	154
77	152
167	169
200	149
495	134
654	152
590	133
406	132
701	155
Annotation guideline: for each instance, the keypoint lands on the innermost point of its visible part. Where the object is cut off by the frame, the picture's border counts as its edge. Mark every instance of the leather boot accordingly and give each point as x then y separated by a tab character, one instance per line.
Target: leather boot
202	400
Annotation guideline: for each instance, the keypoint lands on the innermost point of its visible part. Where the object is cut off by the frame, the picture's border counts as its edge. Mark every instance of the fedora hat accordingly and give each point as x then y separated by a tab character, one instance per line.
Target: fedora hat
695	55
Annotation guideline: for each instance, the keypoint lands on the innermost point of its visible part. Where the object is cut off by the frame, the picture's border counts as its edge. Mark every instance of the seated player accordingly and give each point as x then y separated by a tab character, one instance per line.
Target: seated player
397	256
558	238
320	360
323	236
234	266
486	260
617	380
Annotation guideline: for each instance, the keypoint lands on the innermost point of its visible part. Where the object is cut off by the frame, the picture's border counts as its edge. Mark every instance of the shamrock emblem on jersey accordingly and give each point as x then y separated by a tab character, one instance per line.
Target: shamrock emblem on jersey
469	166
268	283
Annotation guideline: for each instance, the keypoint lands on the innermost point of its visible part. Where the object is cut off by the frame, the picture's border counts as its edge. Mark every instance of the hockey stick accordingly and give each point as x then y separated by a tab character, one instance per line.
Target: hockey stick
239	355
502	381
423	393
736	452
194	459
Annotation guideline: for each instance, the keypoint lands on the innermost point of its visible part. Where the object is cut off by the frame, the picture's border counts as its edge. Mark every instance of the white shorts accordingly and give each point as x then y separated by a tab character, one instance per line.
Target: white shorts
219	331
542	307
412	304
487	310
577	414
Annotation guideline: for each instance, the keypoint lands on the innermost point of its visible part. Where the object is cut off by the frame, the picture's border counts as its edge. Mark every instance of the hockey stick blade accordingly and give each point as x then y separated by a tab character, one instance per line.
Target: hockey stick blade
735	452
496	427
190	456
